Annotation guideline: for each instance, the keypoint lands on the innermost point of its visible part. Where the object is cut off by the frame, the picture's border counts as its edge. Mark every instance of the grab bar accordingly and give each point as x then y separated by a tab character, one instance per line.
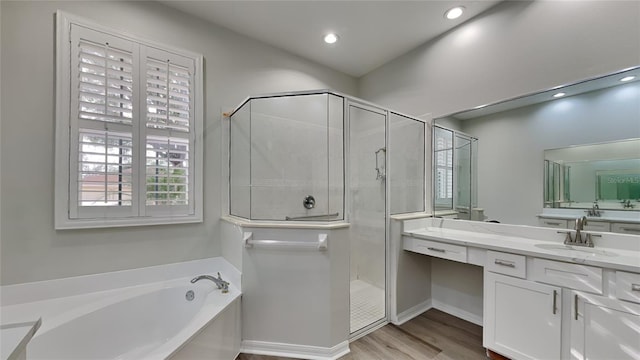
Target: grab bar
310	216
321	244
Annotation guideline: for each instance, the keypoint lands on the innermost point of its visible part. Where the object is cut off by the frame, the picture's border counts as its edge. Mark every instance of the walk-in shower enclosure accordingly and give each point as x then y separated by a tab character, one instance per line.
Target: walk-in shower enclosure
332	162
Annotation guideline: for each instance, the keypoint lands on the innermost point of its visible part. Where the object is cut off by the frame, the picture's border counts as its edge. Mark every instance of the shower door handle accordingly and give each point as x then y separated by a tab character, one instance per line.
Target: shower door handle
381	173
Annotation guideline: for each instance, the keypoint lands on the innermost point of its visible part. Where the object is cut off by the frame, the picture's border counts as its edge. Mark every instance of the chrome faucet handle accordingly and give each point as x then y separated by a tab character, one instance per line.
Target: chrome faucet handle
588	241
223	284
568	239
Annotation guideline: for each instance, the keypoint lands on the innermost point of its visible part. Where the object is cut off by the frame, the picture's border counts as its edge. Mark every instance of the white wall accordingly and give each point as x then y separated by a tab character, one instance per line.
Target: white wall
515	48
235	67
457	289
510	182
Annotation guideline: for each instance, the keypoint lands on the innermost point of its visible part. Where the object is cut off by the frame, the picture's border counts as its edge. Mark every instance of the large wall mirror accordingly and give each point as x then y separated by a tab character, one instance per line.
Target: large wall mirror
520	139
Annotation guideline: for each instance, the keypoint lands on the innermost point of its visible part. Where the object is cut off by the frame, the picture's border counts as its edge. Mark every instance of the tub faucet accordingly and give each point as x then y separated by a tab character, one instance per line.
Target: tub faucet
221	284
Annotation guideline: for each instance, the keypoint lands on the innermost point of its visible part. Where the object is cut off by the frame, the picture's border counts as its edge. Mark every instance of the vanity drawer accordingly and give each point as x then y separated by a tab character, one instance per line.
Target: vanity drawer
573	276
553	223
598	226
628	286
625	228
435	248
508	264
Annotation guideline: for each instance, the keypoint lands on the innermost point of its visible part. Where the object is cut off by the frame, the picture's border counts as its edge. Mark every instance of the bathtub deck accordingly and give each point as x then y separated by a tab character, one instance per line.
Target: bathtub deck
433	335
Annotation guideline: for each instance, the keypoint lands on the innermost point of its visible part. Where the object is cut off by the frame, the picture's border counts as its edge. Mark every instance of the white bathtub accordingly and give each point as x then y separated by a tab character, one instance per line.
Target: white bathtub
144	321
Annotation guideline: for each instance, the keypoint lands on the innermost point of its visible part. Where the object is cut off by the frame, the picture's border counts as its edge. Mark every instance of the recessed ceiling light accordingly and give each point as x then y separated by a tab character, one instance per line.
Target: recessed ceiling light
560	94
331	38
627	78
454	13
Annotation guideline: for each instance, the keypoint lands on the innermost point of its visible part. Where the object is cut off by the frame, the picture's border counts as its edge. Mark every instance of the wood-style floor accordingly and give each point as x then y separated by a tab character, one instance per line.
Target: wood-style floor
432	335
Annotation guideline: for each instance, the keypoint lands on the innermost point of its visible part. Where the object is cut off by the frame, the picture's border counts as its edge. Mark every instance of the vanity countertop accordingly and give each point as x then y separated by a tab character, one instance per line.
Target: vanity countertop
14	338
594	218
623	216
618	259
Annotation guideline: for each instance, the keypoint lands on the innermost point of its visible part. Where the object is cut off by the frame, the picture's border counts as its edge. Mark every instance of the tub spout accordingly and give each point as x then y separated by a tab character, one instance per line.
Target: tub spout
221	284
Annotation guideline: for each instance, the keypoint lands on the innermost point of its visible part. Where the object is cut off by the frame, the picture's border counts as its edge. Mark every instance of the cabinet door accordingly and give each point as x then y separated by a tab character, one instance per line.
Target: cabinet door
597	226
604	328
553	223
625	228
521	318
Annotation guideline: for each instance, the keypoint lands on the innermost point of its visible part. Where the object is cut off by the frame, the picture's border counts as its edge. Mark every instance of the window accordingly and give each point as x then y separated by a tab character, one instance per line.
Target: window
443	163
128	130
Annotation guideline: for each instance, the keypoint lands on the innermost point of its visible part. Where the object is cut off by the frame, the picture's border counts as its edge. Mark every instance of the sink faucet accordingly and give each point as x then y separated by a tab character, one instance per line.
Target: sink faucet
221	284
579	227
595	210
580	222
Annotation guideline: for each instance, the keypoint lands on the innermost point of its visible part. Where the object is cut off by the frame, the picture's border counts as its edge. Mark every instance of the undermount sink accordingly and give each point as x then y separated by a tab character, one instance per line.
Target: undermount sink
582	250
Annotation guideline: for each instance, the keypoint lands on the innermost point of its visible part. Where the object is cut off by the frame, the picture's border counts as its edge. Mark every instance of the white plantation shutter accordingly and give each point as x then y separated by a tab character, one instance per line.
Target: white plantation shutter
105	83
131	115
103	95
167	171
168	96
105	169
169	131
444	166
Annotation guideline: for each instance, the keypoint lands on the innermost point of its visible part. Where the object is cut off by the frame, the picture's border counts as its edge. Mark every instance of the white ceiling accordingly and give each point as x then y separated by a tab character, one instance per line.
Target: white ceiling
371	32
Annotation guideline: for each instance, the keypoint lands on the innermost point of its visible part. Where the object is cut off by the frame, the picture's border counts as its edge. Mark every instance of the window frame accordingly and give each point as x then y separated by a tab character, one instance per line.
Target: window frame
66	128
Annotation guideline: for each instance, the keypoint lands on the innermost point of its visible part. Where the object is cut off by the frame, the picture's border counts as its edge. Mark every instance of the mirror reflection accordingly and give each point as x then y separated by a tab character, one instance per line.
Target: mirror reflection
455	174
514	183
597	176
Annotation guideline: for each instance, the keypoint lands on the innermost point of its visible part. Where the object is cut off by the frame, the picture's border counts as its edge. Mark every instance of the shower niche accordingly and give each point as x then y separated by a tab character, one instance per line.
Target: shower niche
319	161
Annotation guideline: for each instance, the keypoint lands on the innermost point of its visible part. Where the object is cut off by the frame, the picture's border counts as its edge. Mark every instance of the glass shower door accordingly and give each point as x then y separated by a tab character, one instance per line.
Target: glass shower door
367	179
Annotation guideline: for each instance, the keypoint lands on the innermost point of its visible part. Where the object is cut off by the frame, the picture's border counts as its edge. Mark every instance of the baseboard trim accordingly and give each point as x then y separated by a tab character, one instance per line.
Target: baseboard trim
366	331
412	312
457	312
294	350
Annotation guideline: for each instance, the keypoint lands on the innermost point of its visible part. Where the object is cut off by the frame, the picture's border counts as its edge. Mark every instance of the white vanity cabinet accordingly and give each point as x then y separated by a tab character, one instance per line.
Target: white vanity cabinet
559	312
539	304
553	223
604	328
593	224
522	319
625	228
